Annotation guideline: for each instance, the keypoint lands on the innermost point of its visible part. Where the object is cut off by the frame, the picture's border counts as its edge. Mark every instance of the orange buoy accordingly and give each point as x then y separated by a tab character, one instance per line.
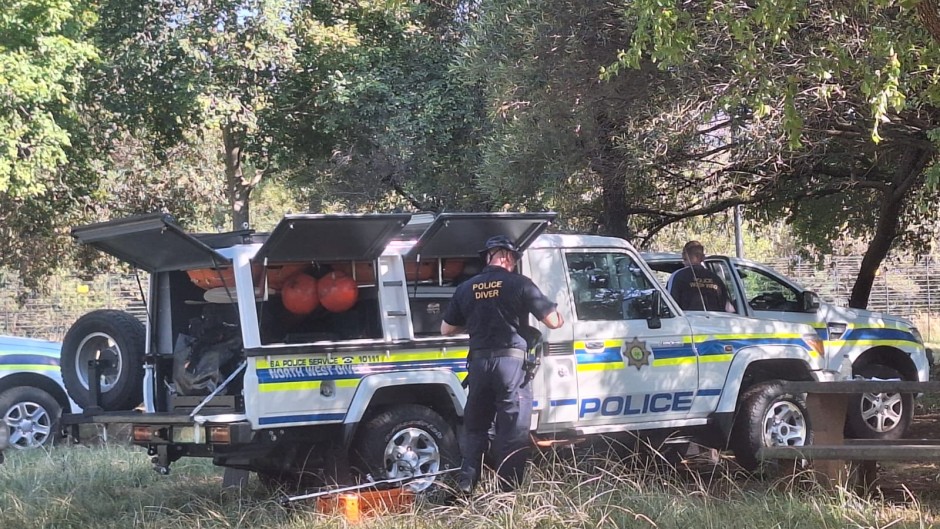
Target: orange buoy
299	294
278	274
364	272
209	278
419	271
337	291
452	268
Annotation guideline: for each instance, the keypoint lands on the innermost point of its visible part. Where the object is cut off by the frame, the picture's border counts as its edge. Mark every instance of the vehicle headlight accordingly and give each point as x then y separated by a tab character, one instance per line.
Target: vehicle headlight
917	336
815	343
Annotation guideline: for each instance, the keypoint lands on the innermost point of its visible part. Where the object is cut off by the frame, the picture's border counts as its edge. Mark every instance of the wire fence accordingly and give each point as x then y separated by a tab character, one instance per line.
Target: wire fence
904	287
907	287
49	314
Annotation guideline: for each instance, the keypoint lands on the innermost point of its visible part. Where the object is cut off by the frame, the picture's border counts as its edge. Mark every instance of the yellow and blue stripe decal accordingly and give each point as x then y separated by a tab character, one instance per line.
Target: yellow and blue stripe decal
721	347
598	355
876	336
28	362
610	356
868	335
673	355
712	349
308	373
309	417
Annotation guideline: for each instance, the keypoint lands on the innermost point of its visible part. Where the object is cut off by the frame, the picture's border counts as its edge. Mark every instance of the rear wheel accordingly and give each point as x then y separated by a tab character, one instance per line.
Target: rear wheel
404	442
879	415
768	416
111	335
30	417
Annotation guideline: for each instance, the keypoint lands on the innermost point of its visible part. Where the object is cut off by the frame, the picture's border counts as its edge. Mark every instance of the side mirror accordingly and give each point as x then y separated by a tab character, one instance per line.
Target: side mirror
650	306
654	321
809	301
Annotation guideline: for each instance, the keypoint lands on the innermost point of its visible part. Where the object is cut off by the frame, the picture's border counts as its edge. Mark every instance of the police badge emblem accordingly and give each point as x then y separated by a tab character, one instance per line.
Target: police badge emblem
636	353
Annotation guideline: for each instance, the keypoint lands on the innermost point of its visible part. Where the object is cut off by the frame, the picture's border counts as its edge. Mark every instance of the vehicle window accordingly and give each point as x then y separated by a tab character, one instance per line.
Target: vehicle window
606	286
662	276
765	292
721	268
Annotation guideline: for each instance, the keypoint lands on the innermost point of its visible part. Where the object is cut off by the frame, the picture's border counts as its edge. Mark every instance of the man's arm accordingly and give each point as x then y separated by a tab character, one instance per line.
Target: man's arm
554	320
450	330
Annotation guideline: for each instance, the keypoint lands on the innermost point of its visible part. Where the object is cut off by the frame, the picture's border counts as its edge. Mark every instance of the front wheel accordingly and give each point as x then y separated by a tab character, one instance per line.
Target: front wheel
30	416
404	442
879	415
768	416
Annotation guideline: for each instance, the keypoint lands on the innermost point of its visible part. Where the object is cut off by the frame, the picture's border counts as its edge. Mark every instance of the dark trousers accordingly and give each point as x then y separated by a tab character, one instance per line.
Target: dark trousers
498	390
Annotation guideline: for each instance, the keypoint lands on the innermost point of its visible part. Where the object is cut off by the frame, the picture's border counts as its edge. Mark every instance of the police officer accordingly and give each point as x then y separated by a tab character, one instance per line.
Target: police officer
491	307
695	287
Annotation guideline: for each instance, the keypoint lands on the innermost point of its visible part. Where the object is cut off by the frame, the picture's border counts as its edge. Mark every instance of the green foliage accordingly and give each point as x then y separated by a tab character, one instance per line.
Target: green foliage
831	107
173	68
42	53
864	54
557	130
46	158
174	73
380	120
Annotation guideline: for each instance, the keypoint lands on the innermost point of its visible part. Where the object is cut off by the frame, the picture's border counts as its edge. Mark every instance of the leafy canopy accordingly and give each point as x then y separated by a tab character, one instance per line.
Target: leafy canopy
42	53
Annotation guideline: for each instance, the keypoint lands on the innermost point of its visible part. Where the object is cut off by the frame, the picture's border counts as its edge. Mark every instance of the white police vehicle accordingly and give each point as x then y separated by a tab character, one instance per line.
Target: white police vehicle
879	346
313	352
32	396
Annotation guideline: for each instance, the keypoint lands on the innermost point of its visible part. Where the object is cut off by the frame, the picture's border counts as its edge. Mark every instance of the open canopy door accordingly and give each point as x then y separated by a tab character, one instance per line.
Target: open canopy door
464	234
154	243
321	237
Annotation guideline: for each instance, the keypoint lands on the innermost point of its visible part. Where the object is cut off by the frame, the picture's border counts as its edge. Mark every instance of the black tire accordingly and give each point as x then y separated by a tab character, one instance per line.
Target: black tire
405	441
768	416
109	335
883	416
31	416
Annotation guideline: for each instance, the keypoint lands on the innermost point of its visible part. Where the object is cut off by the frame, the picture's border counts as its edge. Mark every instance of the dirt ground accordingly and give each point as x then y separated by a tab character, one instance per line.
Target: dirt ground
920	481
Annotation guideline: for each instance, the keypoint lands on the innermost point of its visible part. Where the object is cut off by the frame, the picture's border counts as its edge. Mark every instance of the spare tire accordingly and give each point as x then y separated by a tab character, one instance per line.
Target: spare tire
111	335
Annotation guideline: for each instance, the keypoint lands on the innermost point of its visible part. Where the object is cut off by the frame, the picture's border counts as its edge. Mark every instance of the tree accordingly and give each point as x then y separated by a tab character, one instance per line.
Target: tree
830	108
42	53
176	71
572	136
45	156
378	119
556	126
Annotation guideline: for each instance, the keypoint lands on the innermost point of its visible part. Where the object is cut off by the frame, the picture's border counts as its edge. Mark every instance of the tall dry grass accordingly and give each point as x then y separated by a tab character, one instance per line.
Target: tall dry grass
113	486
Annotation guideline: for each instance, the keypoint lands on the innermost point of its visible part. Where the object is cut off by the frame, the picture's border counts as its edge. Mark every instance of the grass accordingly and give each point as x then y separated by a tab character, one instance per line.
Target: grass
113	486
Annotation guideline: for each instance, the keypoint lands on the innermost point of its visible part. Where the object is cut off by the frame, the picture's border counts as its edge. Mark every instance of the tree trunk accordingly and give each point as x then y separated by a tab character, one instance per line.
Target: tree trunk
909	171
237	188
885	232
604	160
928	13
614	217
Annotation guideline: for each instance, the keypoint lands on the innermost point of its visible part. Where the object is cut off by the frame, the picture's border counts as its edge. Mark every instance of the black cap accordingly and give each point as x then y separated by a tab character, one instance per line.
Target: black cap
502	242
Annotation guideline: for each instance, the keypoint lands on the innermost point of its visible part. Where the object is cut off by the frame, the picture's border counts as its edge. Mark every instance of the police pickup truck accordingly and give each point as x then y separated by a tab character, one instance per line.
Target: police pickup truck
878	346
32	396
313	353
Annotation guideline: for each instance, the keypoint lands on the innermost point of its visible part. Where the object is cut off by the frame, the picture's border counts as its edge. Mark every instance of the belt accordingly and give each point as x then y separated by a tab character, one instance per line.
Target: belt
497	353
